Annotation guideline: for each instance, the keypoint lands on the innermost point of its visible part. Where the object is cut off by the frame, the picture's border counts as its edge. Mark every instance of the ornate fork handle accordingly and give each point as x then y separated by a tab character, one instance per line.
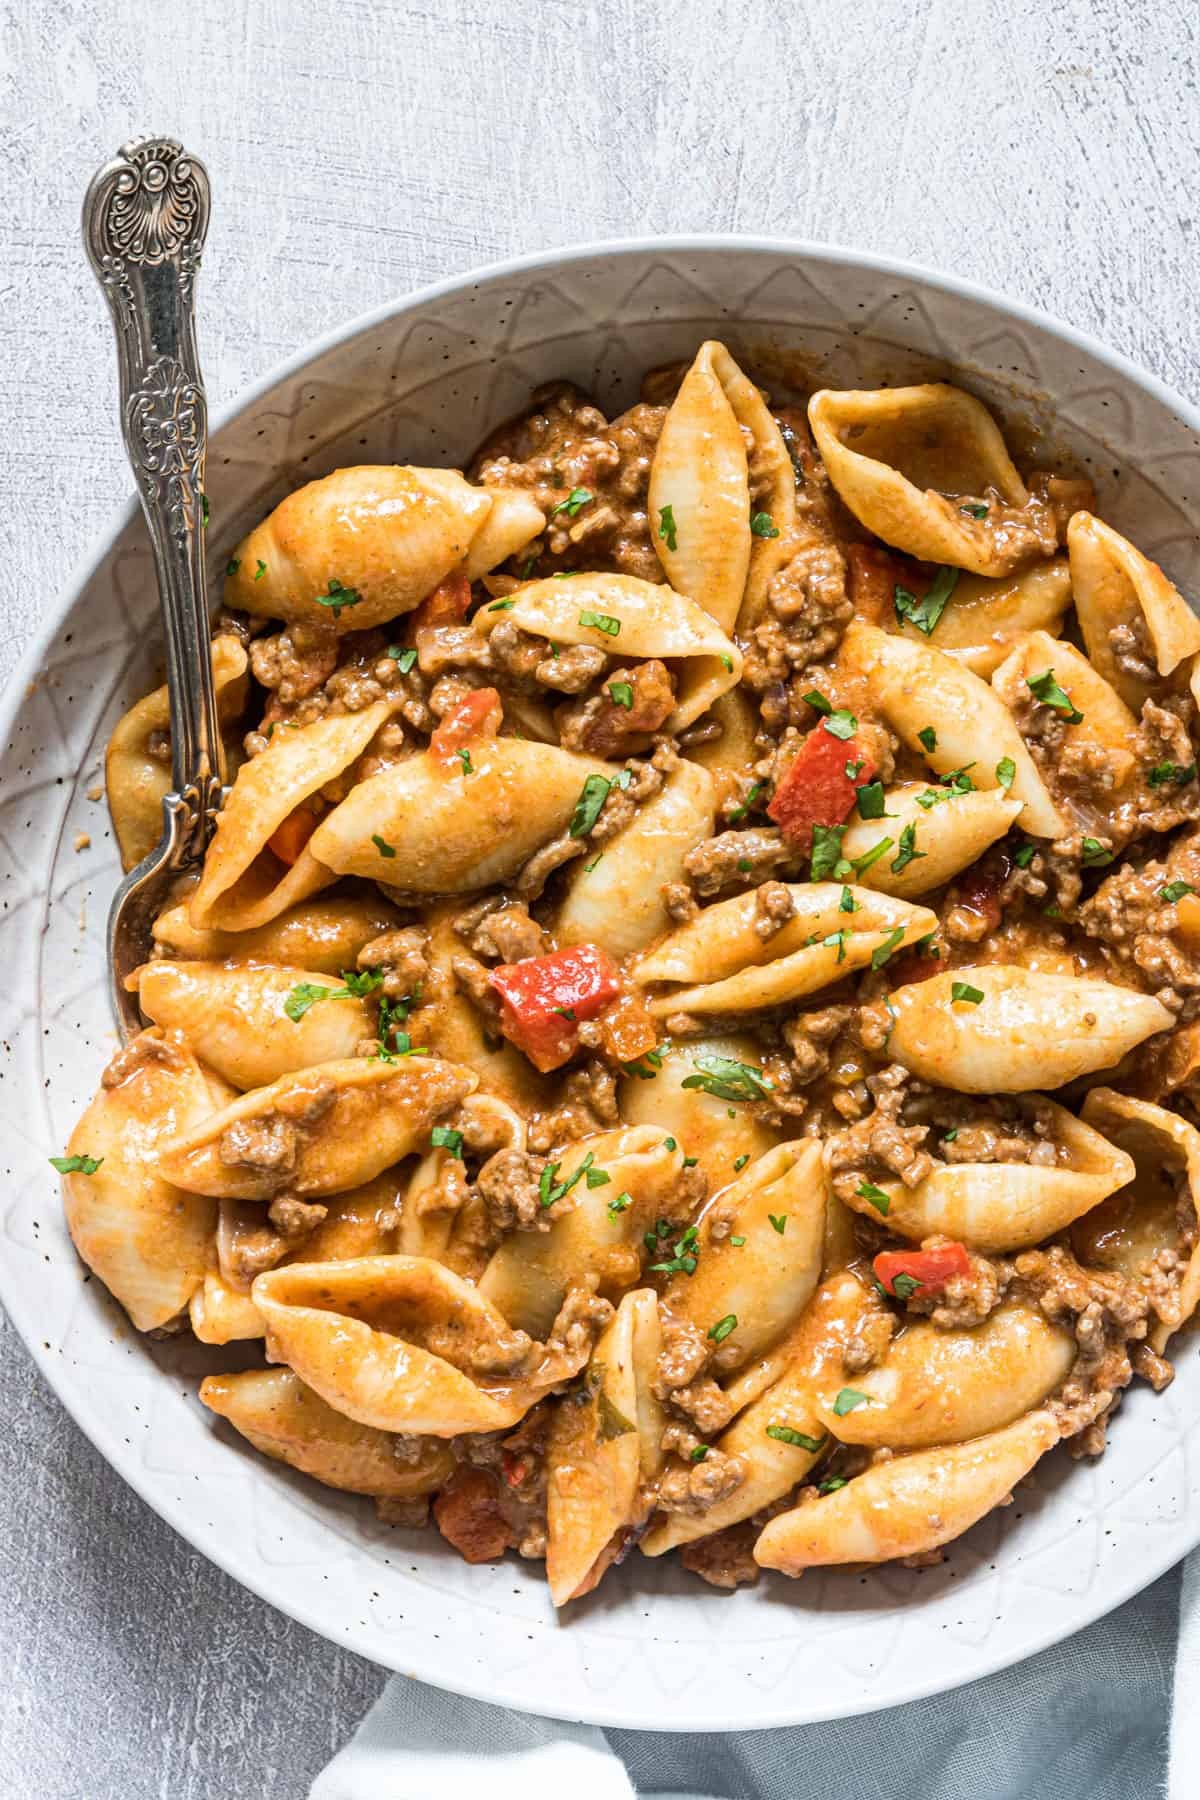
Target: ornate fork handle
144	223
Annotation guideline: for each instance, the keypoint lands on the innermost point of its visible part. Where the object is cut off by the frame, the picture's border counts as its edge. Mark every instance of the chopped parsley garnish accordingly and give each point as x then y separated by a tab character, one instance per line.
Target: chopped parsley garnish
1025	855
698	1454
739	812
527	567
905	1286
721	1330
840	724
382	845
621	694
784	1434
1045	689
870	800
551	1189
601	622
962	990
232	566
464	757
442	1138
888	948
737	1242
853	769
596	860
1095	855
652	1058
76	1165
1175	890
778	1222
689	1162
744	865
590	804
908	852
726	662
575	502
763	525
847	1400
816	699
597	1177
621	1204
848	903
836	941
1006	772
866	1190
862	863
928	738
832	1485
670	1144
926	612
739	1162
1178	773
976	508
502	605
564	1012
261	570
686	1253
358	984
826	850
338	597
948	1137
666	527
728	1080
404	659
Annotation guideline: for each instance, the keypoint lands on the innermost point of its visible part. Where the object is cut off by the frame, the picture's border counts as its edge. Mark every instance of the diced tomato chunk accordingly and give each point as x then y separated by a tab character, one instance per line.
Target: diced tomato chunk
543	1000
469	1516
627	1030
477	715
288	839
816	789
449	602
930	1269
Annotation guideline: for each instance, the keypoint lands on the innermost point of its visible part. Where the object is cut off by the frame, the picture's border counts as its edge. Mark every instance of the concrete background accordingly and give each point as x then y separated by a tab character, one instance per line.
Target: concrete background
1050	148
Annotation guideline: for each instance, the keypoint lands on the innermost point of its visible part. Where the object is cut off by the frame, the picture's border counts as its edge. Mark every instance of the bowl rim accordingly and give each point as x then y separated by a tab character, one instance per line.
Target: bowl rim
226	1555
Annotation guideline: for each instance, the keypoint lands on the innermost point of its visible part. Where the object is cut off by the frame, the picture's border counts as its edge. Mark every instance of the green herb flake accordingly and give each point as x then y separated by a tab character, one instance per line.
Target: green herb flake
670	1144
621	1204
404	659
836	941
232	566
928	738
76	1165
863	863
1024	855
785	1434
621	694
762	525
848	1399
442	1138
551	1189
306	994
728	1080
601	622
905	1286
926	612
816	699
1175	890
595	863
866	1190
597	1178
826	851
574	503
908	852
888	948
948	1137
832	1485
737	1242
1045	689
840	724
698	1454
778	1222
338	597
1095	854
847	903
1176	773
689	1162
745	866
739	1162
975	509
721	1330
1006	772
261	570
666	527
870	800
502	605
962	990
590	804
382	845
739	812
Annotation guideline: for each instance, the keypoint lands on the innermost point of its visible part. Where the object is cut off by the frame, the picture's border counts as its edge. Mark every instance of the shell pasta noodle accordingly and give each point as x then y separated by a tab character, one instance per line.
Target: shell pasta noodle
686	1036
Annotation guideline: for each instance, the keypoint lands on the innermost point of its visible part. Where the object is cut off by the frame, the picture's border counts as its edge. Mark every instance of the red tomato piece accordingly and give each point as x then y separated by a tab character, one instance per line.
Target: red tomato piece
978	893
288	839
816	789
477	715
449	602
930	1269
543	999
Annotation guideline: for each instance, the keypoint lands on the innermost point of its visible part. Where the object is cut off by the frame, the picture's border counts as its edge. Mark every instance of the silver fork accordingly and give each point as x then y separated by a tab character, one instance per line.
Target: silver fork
144	222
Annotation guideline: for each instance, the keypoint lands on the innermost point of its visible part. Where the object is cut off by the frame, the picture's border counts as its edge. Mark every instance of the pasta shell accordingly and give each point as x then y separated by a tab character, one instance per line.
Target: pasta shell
764	1282
1030	1029
986	617
279	1415
697	1120
1131	1228
220	1313
1007	1206
942	1387
617	901
652	621
244	884
325	935
732	748
137	782
528	1276
902	459
451	831
774	1463
909	1505
604	1444
328	1128
1107	723
700	477
726	966
391	1340
513	521
384	535
948	836
235	1021
915	687
1118	590
147	1241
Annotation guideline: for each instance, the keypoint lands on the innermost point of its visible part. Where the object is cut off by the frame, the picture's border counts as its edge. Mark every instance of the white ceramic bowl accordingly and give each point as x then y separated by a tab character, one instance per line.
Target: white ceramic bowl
422	381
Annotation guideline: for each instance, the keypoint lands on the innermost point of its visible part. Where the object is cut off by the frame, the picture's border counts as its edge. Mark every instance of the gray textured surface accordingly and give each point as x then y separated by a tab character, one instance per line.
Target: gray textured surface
1050	148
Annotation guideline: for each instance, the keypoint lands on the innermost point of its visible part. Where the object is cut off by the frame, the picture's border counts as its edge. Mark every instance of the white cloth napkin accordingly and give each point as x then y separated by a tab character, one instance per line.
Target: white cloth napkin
1086	1720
